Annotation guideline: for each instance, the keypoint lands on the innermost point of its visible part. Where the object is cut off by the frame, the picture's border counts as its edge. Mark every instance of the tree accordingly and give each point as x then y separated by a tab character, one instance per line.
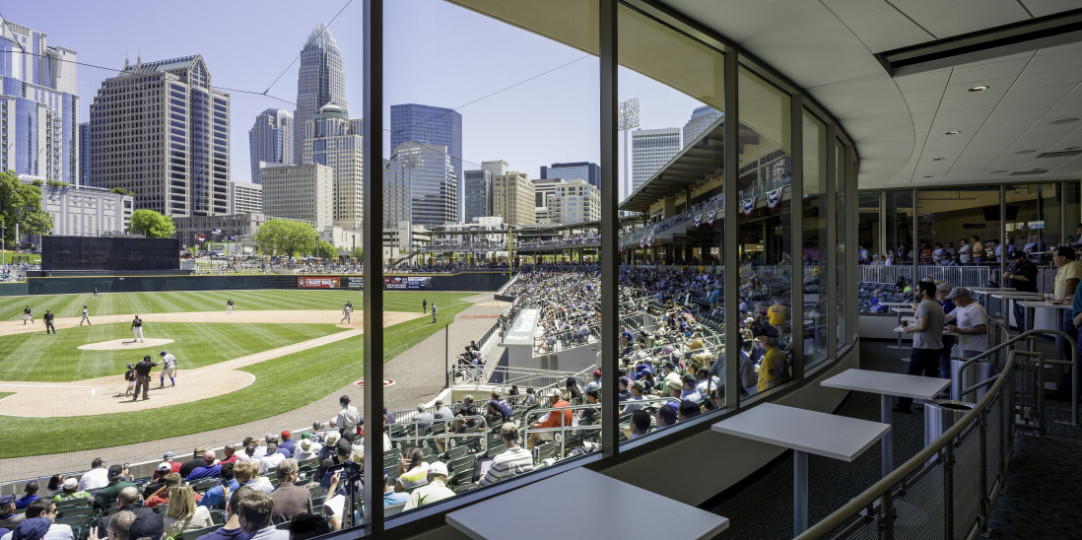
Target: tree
121	191
326	250
151	224
21	204
283	237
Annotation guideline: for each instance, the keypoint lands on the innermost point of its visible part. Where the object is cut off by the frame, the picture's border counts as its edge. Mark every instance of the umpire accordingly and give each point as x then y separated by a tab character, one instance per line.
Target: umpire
142	377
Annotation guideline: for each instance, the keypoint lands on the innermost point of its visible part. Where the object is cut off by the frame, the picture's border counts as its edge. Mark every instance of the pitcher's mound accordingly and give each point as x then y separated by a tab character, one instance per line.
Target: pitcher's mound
125	344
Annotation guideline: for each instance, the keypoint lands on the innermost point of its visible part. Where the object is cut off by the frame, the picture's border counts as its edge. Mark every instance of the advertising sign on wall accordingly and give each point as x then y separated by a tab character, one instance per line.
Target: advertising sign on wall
317	282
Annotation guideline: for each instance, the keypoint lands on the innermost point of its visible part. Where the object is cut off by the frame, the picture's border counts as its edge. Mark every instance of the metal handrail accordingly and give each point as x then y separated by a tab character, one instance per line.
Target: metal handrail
866	499
1042	362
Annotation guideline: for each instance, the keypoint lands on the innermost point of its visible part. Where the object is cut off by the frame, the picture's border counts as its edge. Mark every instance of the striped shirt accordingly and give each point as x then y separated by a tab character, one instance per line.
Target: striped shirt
510	462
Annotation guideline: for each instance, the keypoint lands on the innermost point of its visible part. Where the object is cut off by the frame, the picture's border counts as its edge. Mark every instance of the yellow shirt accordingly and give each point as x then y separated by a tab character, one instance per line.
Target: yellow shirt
776	314
1071	270
772	370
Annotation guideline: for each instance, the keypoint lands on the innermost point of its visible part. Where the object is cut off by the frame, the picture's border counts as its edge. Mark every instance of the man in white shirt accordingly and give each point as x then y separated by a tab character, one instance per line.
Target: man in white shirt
970	322
272	459
348	417
97	477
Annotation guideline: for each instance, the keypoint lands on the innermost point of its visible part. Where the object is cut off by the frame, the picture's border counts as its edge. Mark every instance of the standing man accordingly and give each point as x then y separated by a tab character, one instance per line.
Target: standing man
433	312
1021	277
970	322
424	305
229	307
49	322
348	417
95	293
169	369
137	329
927	339
28	315
1067	279
142	377
347	312
942	291
86	317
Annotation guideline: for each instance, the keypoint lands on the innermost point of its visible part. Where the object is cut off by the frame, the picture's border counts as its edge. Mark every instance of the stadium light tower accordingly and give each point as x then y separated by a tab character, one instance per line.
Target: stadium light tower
628	120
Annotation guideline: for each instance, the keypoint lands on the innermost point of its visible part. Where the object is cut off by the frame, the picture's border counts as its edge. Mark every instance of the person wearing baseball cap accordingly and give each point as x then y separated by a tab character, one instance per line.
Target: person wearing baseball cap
147	526
70	490
117	481
435	490
772	368
288	446
551	420
8	518
970	322
595	384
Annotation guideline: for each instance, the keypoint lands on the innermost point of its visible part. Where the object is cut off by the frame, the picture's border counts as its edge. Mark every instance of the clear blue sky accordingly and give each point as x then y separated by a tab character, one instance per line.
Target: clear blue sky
436	54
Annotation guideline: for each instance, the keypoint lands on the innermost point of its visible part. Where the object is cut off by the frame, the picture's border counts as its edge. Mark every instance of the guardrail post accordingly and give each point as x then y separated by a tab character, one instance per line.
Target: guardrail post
886	519
986	500
948	490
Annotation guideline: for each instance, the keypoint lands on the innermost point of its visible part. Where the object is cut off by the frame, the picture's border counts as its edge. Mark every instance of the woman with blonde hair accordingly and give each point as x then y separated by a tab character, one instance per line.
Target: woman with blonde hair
182	514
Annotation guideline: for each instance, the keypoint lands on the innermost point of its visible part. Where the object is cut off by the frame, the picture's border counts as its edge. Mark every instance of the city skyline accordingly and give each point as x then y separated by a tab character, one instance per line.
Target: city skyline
557	104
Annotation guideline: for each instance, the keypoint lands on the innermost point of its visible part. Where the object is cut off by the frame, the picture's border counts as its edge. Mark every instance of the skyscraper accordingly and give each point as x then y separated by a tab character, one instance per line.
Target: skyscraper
320	80
161	130
477	194
331	138
513	198
38	106
431	125
650	150
580	170
701	118
420	186
270	140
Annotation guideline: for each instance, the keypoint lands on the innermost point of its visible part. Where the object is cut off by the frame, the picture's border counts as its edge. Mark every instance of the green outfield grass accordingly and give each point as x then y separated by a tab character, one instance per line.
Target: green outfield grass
40	357
282	384
71	305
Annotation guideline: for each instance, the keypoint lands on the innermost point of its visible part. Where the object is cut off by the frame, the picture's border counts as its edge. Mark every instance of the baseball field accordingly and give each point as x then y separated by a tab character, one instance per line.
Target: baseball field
278	350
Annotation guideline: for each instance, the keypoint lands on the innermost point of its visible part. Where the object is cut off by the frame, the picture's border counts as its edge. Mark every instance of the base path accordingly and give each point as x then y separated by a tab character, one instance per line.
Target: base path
302	316
104	395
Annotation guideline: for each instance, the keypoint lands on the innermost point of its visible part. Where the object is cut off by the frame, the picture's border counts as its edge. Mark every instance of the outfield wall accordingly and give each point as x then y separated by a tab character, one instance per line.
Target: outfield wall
465	281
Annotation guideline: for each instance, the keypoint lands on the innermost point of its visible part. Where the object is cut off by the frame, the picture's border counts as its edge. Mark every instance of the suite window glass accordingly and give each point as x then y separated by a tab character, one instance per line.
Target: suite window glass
815	223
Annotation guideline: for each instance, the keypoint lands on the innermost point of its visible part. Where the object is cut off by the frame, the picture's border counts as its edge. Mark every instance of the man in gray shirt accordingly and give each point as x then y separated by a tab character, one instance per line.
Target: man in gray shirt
927	339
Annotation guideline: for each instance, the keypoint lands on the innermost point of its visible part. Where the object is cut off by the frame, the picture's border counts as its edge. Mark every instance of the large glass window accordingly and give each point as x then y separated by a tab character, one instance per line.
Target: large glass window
841	168
953	226
672	281
765	236
1033	216
814	242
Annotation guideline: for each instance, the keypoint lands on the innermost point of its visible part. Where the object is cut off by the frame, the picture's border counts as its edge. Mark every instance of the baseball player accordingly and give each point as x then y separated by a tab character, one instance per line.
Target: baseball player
86	317
169	363
130	377
28	315
49	322
347	312
433	312
137	330
229	307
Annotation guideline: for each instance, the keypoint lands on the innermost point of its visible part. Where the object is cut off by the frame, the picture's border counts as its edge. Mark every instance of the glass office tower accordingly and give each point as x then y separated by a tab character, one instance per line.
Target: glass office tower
270	141
431	125
320	80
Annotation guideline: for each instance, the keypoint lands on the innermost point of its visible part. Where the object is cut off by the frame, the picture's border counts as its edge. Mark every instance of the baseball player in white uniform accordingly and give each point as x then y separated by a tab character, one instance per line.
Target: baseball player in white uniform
137	329
169	363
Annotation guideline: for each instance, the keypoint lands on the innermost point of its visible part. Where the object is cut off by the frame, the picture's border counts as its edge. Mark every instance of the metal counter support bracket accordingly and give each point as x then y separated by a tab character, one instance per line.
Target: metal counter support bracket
886	413
800	492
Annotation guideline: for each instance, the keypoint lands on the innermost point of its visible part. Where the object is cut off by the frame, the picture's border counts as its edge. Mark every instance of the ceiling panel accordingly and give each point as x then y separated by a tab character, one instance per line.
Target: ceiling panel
954	17
885	29
1040	8
987	71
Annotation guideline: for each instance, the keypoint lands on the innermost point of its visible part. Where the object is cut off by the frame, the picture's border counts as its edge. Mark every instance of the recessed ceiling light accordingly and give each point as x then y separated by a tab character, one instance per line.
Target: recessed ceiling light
937	159
1064	121
1072	148
1020	152
953	132
928	176
980	88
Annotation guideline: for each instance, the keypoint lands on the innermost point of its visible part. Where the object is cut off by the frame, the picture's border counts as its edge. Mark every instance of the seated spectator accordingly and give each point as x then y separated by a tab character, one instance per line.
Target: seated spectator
305	526
210	470
289	500
8	518
595	383
174	466
198	460
215	496
550	420
117	481
158	480
147	525
247	474
390	496
342	449
513	461
254	513
31	529
182	514
231	529
589	414
413	468
119	525
161	496
272	458
288	446
530	399
690	392
126	501
30	495
666	415
70	490
443	412
231	456
423	417
56	482
435	490
688	409
624	393
308	448
573	390
640	423
96	478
